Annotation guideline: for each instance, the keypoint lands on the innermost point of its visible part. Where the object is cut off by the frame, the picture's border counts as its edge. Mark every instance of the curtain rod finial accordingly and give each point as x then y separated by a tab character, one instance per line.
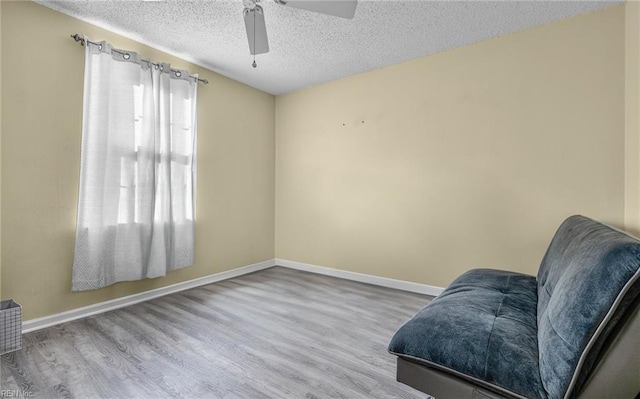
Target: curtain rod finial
78	38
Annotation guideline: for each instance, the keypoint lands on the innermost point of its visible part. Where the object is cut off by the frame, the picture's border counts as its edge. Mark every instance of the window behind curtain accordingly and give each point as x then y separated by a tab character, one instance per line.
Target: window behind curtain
137	174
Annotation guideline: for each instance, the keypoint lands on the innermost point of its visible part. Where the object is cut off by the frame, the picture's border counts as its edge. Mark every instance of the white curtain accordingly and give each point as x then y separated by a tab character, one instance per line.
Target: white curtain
137	172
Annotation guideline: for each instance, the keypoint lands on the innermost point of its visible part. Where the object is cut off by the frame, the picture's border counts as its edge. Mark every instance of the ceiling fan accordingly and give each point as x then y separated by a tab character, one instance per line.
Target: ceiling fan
257	30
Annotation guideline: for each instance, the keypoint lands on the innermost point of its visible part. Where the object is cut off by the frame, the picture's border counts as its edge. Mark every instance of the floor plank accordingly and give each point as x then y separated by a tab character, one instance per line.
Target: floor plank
277	333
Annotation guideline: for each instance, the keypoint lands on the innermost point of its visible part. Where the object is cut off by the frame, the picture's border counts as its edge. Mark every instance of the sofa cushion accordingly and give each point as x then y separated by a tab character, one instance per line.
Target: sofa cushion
587	278
483	326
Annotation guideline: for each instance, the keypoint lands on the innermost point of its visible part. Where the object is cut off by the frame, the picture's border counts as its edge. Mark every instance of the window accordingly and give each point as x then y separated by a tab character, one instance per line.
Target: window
137	178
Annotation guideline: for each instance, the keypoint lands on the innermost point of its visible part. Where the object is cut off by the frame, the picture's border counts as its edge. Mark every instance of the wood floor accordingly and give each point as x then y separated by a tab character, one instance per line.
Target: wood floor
277	333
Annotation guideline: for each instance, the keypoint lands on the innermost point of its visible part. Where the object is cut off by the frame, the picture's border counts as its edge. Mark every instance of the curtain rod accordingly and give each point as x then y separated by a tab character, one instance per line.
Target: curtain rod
82	41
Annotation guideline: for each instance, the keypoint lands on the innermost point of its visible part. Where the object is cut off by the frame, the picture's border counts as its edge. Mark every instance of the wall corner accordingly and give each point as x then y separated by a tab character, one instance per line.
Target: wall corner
632	117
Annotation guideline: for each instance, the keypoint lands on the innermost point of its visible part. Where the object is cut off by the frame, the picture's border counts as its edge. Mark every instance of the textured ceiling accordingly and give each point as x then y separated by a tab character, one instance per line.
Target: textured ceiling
308	48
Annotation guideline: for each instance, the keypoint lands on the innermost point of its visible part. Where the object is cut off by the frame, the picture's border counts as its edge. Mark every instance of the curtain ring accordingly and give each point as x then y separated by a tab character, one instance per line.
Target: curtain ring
100	47
126	56
178	73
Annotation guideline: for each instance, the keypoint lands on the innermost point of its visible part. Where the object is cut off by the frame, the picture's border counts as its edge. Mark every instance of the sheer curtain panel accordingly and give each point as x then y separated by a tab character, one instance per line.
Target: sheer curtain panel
137	171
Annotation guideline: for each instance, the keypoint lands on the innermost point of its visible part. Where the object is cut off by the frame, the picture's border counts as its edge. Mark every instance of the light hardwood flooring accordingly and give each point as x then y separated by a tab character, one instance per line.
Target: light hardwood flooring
277	333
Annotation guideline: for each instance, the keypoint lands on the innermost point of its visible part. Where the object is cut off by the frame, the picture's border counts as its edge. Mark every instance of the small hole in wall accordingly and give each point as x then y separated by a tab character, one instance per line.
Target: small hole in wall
362	121
343	124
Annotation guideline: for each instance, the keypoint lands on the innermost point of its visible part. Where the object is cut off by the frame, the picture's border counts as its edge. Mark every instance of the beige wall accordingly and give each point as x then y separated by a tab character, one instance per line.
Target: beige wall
42	77
1	296
468	158
632	116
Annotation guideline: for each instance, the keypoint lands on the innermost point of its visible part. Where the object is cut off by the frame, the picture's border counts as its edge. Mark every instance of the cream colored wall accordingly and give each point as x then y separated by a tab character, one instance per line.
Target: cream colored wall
1	297
468	158
632	117
42	78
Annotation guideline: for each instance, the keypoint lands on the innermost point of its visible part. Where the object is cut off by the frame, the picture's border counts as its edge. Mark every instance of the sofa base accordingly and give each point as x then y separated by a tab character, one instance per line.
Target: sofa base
439	384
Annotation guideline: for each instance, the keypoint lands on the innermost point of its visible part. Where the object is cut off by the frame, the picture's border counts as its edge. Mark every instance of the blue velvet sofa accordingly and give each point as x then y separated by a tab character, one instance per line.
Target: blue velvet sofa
573	331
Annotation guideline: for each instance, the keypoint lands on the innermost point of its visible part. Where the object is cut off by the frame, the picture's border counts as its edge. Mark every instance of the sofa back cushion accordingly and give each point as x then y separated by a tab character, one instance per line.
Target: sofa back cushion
588	275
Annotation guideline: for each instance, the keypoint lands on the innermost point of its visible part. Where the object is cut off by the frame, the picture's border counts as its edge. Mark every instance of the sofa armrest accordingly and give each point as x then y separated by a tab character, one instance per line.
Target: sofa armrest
620	362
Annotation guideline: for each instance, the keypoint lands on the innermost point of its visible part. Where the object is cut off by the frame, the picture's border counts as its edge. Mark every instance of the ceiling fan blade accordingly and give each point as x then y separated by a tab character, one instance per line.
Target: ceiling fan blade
256	30
338	8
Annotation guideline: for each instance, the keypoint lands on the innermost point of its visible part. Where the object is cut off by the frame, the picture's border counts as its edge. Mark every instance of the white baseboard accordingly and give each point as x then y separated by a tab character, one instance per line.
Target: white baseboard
363	278
86	311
